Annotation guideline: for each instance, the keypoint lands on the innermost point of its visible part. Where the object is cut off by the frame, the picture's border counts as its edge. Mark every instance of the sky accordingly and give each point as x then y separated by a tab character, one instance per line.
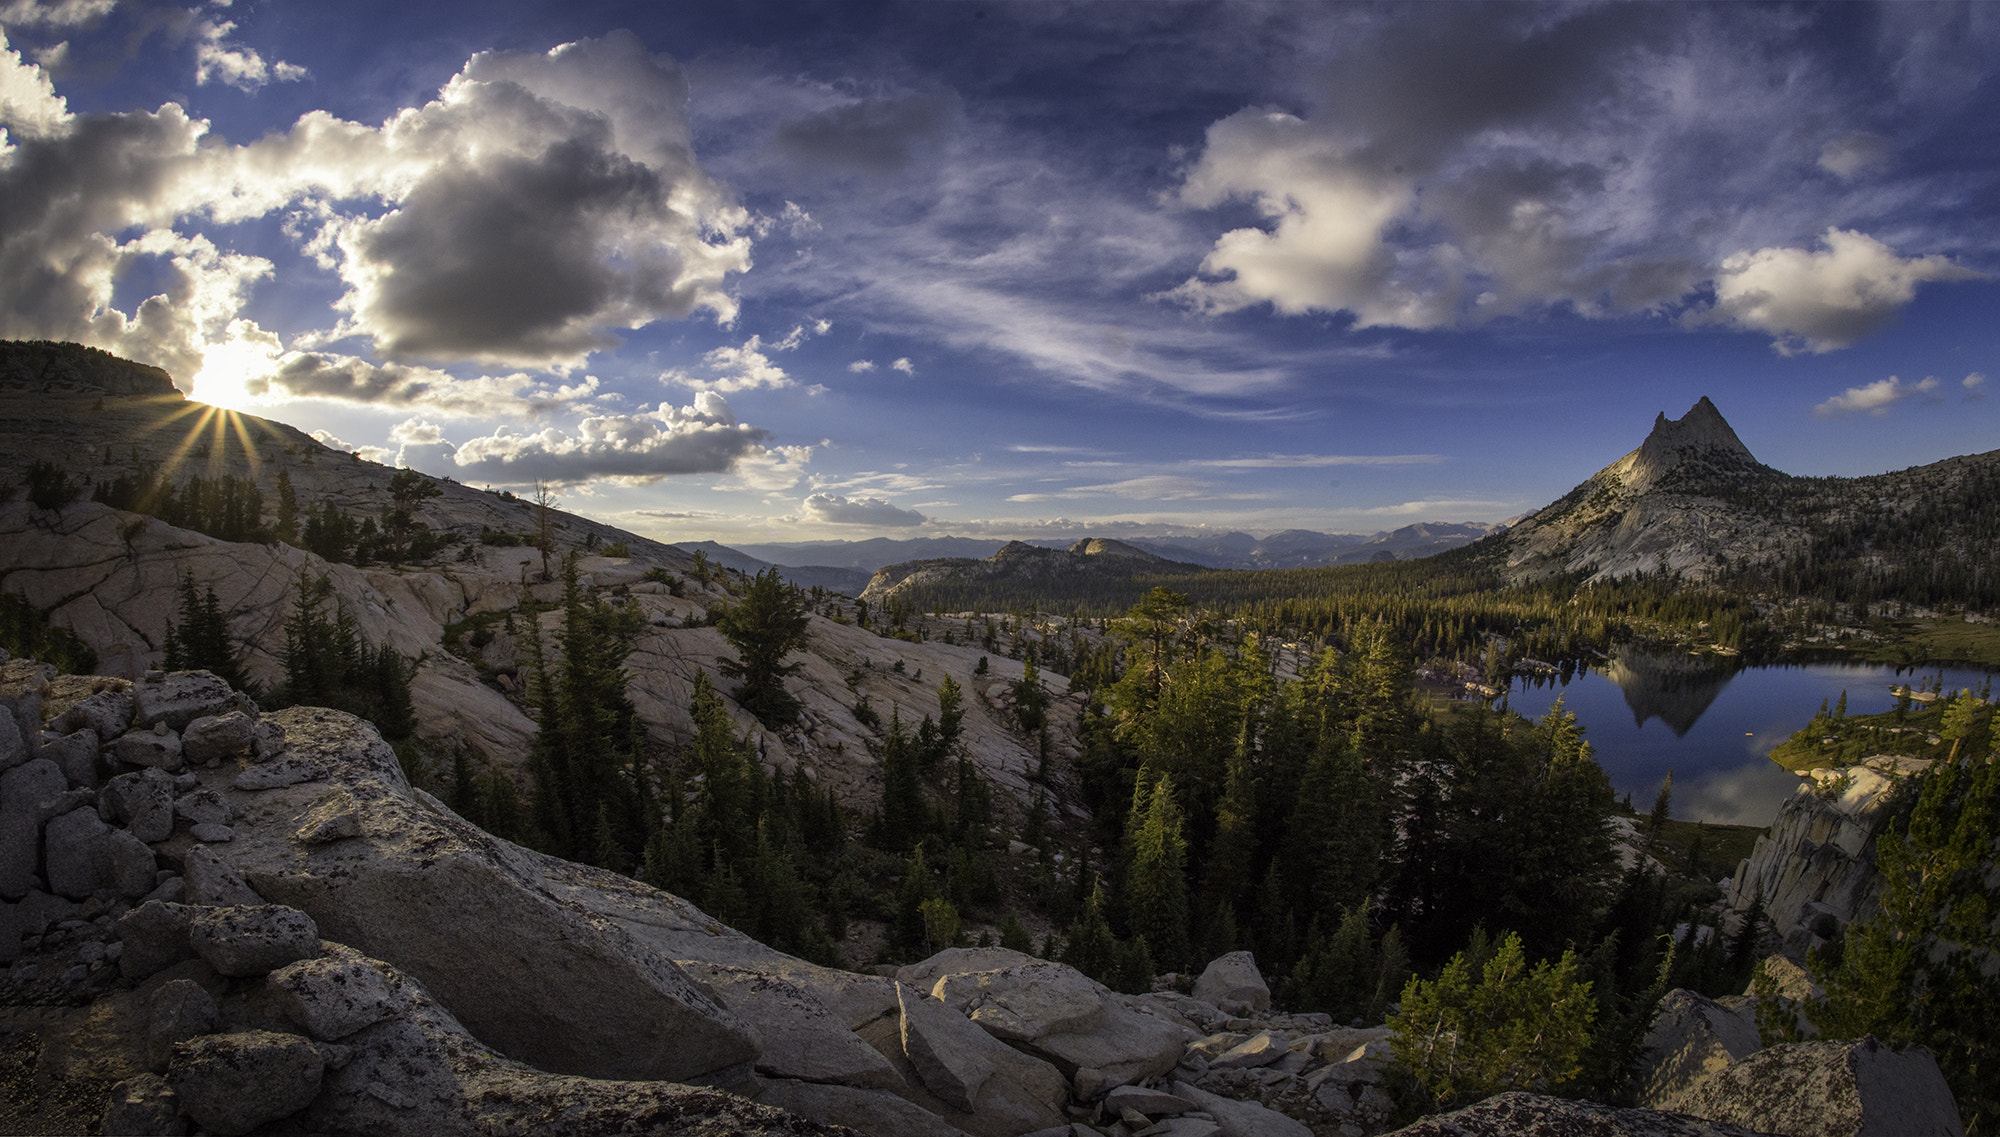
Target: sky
762	272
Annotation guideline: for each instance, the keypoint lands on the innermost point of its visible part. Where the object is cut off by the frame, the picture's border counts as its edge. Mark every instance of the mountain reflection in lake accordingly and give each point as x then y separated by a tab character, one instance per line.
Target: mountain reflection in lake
1713	724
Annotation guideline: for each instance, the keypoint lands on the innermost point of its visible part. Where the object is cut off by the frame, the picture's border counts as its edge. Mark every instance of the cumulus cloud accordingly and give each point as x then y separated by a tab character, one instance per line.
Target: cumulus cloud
1827	299
702	438
871	136
904	366
341	378
1974	385
218	60
837	510
749	367
1875	398
860	366
540	203
422	445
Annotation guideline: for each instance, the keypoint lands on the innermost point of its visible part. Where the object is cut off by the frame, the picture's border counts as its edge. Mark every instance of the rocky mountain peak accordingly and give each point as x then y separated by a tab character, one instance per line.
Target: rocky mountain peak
1701	434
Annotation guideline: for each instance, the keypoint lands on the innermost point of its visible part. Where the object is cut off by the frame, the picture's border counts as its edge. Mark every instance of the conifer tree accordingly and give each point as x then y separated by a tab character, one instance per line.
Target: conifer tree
768	625
1156	886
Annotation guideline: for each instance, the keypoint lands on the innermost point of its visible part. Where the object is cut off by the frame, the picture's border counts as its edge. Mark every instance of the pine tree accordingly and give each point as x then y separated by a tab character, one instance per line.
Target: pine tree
1662	806
1156	886
1512	1027
768	625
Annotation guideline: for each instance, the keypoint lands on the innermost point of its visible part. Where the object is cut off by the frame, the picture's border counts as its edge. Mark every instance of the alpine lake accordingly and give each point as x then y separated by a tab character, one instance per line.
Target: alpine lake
1711	721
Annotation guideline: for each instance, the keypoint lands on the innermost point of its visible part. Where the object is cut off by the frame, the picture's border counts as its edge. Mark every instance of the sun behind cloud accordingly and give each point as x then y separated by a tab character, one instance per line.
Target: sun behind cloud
227	369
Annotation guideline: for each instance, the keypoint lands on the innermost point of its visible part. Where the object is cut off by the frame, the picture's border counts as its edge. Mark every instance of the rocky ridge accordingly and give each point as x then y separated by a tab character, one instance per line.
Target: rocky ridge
111	578
1019	562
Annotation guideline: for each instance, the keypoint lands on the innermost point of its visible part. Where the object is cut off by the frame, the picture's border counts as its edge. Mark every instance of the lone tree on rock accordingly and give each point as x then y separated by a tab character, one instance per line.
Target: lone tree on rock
767	626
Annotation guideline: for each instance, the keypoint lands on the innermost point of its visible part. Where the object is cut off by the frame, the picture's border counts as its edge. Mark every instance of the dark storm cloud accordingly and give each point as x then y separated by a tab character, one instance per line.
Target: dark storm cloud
1466	163
312	375
873	136
540	202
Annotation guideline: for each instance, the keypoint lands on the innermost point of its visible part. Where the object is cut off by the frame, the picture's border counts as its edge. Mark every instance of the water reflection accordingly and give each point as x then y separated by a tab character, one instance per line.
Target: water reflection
1712	722
1676	688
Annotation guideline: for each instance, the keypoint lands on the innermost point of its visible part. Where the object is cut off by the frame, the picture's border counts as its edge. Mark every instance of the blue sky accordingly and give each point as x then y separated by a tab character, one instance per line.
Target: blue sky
761	272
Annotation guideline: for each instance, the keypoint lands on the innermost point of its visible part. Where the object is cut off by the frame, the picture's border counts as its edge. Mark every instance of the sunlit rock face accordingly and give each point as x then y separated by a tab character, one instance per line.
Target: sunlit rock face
1674	687
1814	869
1683	502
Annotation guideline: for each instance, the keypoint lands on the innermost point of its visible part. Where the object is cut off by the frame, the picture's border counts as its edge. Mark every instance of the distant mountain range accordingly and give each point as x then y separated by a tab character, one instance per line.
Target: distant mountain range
847	566
1690	502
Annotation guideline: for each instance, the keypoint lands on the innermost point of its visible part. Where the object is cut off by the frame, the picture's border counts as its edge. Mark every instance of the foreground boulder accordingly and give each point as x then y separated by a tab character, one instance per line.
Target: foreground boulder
1233	984
1531	1115
1692	1036
1830	1089
422	889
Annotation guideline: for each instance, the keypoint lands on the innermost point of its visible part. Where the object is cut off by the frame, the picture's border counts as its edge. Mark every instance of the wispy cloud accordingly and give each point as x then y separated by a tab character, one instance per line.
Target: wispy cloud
1876	398
1310	461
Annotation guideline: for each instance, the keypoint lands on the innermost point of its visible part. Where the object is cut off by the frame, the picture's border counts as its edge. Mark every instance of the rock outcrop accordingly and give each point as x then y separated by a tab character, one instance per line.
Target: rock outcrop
1531	1115
1829	1089
1814	868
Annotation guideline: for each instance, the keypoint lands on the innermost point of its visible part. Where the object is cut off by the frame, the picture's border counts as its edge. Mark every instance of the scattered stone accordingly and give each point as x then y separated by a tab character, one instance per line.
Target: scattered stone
1531	1115
1152	1103
75	753
210	881
147	748
334	995
88	702
233	1083
252	939
25	787
143	802
155	937
1026	1001
83	854
145	1106
180	697
224	736
1260	1049
1241	1118
801	1038
180	1010
946	1056
1233	984
211	833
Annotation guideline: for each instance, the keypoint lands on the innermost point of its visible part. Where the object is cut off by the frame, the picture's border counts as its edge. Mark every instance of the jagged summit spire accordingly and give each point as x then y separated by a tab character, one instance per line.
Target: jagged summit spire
1703	425
1702	433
